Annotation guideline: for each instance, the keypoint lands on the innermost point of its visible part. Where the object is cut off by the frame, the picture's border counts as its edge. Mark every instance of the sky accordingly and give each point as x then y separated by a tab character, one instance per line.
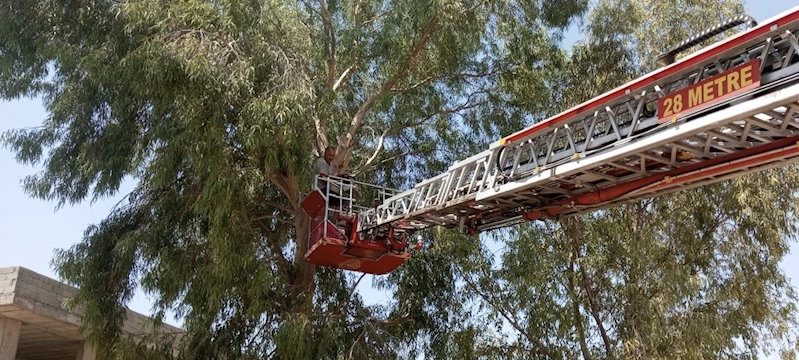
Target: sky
31	229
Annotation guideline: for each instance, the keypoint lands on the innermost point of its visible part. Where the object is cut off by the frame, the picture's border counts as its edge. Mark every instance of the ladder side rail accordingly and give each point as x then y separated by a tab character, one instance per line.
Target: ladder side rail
767	113
668	74
575	138
492	172
437	191
626	132
457	173
472	177
448	186
593	143
399	205
668	135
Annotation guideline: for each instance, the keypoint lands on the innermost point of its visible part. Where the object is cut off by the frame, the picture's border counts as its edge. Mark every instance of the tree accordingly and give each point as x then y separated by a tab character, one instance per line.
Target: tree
690	275
216	110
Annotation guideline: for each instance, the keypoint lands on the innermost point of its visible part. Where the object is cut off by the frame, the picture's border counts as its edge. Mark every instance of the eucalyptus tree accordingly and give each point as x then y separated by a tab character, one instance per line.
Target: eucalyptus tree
215	111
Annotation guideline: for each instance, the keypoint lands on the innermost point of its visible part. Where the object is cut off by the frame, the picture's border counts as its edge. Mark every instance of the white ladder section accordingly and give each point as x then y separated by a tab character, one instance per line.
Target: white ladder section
613	142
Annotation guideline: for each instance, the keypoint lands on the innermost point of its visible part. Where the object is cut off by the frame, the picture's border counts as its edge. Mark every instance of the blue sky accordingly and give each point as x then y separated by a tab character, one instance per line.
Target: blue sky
31	229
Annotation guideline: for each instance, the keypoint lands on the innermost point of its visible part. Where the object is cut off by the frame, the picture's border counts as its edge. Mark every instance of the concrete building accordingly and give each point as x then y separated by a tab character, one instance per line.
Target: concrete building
34	325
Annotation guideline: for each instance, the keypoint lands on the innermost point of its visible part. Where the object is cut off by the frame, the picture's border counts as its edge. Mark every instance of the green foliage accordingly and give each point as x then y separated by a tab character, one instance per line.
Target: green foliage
216	110
685	275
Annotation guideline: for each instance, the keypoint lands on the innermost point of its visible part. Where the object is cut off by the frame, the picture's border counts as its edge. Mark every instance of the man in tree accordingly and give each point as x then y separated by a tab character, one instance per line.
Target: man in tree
323	165
322	168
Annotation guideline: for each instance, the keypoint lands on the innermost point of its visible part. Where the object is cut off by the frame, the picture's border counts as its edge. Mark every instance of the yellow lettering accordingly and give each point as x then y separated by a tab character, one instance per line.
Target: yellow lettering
720	85
677	103
707	91
746	76
732	82
667	107
694	97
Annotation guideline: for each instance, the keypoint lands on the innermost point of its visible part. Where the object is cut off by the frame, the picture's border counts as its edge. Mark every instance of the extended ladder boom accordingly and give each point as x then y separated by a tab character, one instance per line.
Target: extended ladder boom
724	111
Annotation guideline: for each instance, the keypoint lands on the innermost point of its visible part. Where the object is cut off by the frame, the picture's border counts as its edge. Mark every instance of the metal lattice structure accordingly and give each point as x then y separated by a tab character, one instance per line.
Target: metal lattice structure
617	147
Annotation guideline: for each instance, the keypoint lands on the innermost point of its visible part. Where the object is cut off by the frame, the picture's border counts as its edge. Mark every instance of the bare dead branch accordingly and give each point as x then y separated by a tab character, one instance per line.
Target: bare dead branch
576	310
370	163
272	217
388	323
374	166
377	150
349	295
465	106
279	206
343	77
575	233
355	342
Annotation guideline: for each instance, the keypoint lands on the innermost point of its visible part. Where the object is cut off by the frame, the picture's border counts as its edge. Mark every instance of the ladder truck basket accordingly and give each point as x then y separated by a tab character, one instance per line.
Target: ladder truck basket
334	241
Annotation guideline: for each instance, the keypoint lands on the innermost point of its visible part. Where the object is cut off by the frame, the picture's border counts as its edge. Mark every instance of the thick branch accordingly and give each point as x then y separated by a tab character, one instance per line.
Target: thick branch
358	54
282	183
346	144
330	43
321	134
576	253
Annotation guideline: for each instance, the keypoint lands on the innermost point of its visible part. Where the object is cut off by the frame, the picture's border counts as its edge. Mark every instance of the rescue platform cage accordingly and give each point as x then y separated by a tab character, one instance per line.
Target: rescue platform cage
335	239
346	197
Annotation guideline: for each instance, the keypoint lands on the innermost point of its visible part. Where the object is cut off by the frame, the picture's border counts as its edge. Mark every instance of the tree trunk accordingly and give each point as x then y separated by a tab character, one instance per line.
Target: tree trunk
304	285
578	319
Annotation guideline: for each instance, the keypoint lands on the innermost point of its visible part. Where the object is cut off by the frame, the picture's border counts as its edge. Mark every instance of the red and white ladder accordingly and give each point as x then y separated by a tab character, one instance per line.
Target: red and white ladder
617	147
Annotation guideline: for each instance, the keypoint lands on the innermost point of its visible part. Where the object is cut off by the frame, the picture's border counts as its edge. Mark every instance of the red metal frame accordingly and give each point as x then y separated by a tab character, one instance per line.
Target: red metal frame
691	61
752	156
347	250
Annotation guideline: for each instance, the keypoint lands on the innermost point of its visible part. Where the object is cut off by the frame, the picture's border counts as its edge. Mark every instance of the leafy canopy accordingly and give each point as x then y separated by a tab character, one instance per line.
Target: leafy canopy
216	109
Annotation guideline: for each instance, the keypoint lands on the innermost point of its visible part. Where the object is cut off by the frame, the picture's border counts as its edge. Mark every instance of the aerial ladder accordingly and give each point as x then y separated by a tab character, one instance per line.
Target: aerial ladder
727	110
